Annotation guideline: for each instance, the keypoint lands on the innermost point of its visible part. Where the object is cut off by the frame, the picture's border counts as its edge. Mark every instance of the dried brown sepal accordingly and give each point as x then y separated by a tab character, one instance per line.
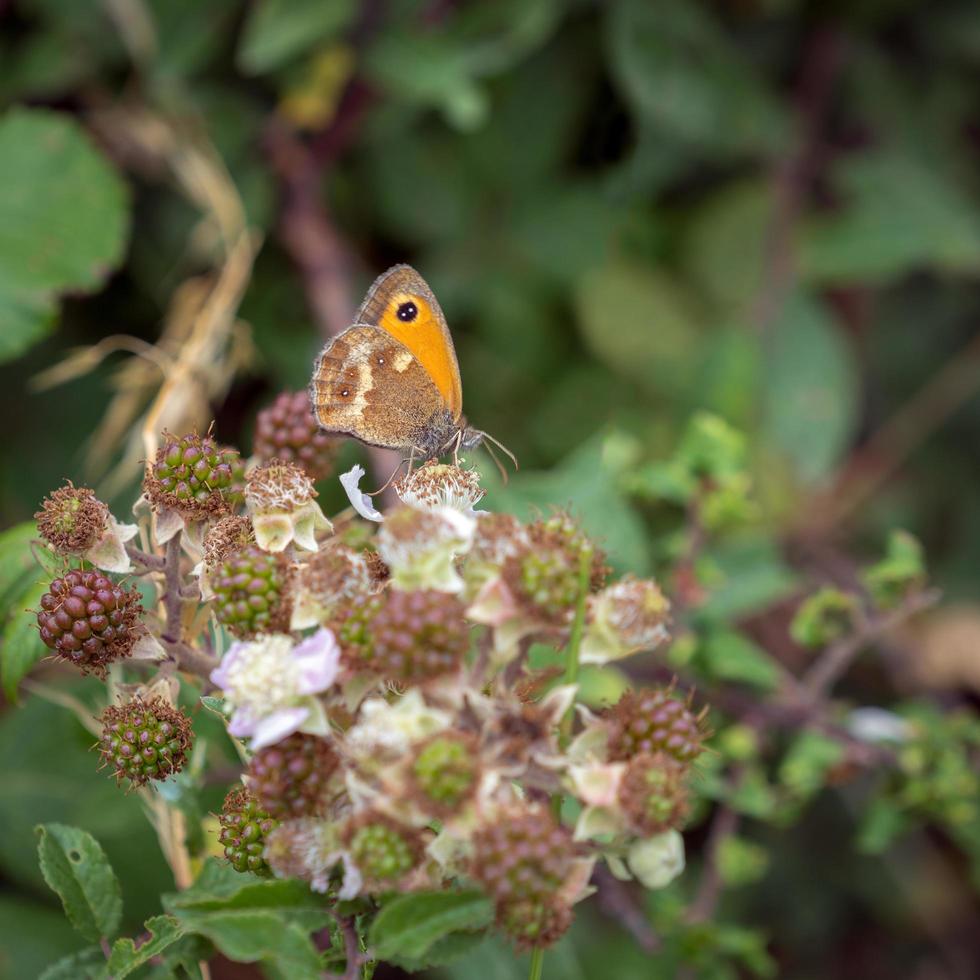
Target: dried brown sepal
229	536
72	519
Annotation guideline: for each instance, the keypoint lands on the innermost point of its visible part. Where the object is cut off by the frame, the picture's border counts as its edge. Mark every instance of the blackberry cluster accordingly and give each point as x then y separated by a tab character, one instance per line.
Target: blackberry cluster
289	779
193	475
72	519
654	721
251	593
418	635
444	772
382	849
89	620
144	740
653	793
244	829
286	430
522	861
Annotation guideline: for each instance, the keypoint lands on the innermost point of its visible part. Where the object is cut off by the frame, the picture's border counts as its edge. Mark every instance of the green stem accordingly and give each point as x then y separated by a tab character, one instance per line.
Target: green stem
537	964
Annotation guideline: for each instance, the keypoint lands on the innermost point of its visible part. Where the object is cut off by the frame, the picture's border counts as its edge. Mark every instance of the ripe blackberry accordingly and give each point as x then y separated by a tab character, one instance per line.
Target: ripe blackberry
522	860
244	829
382	849
652	721
289	779
193	475
89	620
251	594
444	772
144	740
72	519
286	430
653	793
418	635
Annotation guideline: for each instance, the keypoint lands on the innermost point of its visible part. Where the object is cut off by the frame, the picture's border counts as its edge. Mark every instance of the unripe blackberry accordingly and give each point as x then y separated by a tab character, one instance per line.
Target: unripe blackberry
531	923
72	519
89	620
653	793
193	475
251	594
287	430
418	635
352	628
289	779
444	773
523	855
654	721
382	849
144	740
244	829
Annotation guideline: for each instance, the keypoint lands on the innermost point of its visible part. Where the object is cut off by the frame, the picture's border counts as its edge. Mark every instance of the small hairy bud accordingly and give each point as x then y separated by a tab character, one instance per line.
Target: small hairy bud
654	721
383	850
435	485
444	773
278	485
244	829
653	793
72	519
144	740
89	620
193	475
286	430
289	779
251	592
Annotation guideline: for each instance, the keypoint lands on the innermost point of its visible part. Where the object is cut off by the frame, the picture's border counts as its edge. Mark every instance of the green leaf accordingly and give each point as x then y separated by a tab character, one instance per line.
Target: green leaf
63	220
752	575
804	768
823	617
126	957
75	866
86	964
277	31
730	656
409	925
811	388
899	572
21	647
681	71
741	862
898	215
881	823
259	936
16	559
641	323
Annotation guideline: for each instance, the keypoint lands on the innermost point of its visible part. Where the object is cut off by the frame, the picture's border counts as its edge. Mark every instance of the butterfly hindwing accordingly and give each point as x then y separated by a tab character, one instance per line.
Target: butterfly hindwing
401	303
368	385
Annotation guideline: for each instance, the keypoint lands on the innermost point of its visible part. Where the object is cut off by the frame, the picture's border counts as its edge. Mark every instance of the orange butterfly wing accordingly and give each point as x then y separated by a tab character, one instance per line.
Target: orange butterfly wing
401	303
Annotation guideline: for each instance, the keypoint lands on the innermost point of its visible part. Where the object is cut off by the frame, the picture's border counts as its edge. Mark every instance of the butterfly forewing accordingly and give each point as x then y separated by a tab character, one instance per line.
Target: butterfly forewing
401	303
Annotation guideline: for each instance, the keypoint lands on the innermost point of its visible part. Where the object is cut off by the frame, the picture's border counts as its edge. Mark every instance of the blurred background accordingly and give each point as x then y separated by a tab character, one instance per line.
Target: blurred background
631	211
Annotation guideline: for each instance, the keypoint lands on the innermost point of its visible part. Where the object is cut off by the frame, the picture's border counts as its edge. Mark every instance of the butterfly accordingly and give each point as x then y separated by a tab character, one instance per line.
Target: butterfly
392	379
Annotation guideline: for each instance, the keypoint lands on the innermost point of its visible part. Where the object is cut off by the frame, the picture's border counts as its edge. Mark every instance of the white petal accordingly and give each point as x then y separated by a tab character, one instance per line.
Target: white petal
273	531
361	502
276	726
658	860
306	522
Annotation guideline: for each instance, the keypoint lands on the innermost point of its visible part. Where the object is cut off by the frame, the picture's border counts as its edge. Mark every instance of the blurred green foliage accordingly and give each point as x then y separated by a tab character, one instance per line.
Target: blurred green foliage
632	212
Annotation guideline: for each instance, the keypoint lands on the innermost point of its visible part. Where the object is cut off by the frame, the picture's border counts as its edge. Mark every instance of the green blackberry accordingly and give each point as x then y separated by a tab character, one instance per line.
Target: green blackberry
383	850
244	829
351	626
193	475
72	519
653	793
286	430
444	772
654	721
89	620
289	779
251	592
144	740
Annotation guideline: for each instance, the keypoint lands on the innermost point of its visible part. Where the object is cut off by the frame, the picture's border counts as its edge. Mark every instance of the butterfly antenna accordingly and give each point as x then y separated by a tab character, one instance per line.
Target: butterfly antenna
489	438
499	465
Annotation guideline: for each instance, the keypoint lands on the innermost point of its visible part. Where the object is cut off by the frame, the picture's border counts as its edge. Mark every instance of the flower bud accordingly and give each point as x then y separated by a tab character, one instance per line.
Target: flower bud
279	496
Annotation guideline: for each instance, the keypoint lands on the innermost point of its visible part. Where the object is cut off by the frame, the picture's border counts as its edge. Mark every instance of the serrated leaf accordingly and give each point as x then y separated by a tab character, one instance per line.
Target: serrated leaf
20	642
86	964
217	705
63	220
76	868
259	936
410	925
126	957
277	31
448	949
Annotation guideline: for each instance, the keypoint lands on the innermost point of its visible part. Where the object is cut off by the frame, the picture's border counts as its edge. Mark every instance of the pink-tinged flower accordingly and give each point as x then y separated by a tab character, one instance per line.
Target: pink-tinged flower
271	686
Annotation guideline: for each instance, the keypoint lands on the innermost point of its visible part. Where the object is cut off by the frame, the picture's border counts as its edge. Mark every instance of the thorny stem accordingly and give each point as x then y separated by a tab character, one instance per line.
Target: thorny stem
144	558
352	949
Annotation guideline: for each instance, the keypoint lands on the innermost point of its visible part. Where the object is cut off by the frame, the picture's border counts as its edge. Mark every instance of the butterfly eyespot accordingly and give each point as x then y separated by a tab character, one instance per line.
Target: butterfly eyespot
380	360
407	312
345	392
